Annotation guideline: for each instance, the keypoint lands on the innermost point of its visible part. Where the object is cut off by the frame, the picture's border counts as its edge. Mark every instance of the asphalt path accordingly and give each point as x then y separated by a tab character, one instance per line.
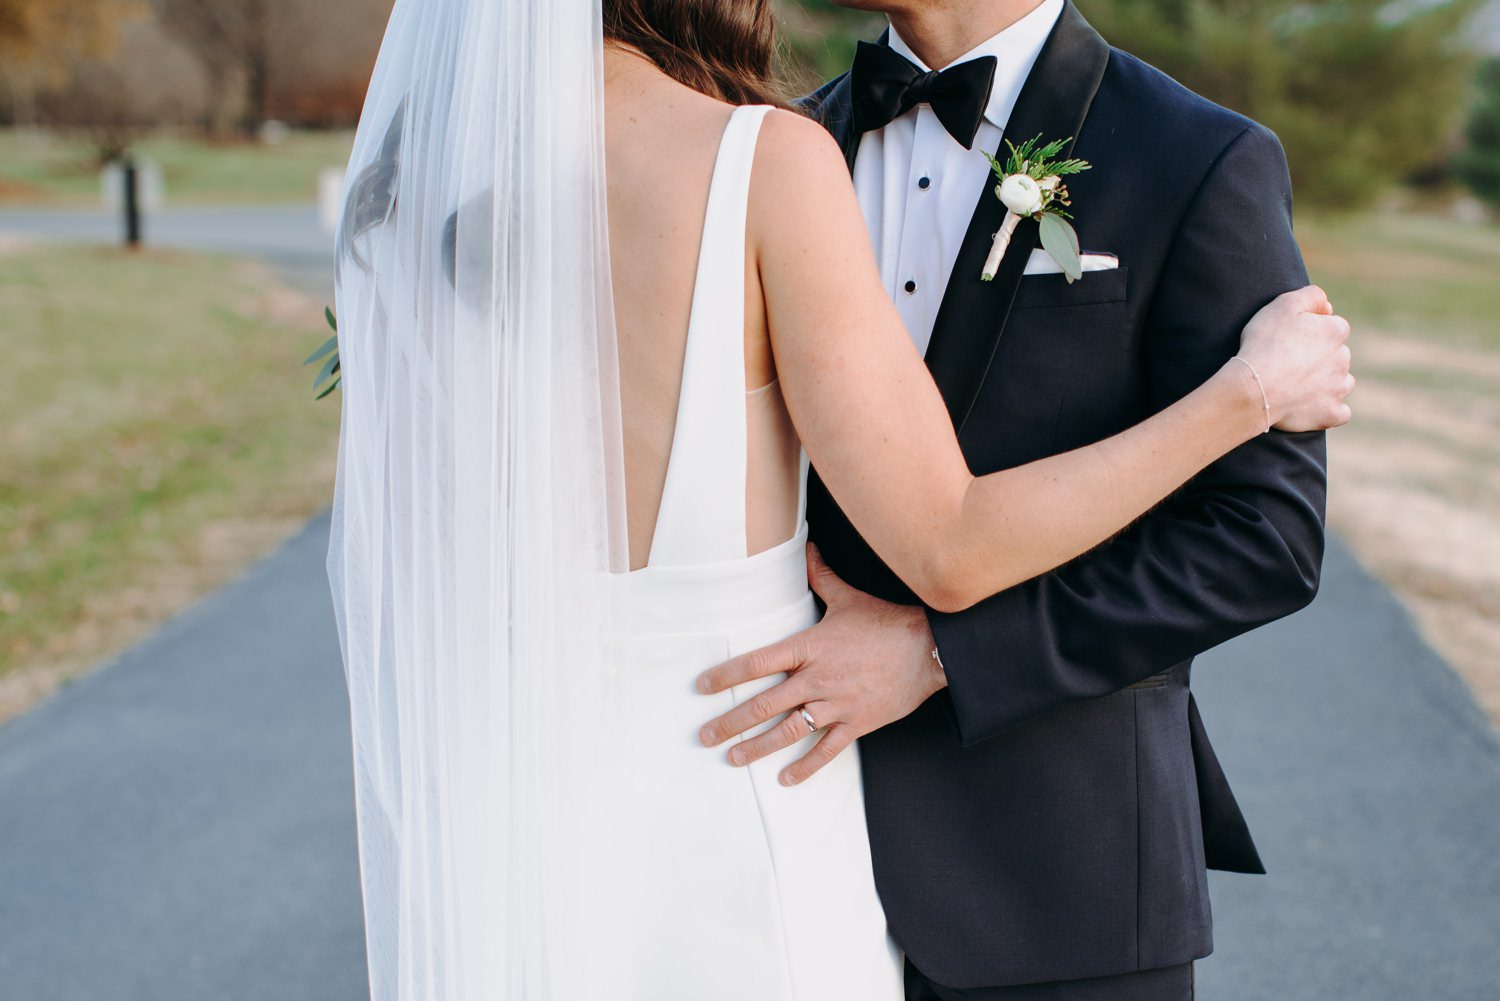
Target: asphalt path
178	826
289	237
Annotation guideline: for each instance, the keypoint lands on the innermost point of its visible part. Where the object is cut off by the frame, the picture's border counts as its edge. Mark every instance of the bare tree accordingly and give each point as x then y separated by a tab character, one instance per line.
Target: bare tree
324	53
265	57
111	100
42	42
232	40
44	32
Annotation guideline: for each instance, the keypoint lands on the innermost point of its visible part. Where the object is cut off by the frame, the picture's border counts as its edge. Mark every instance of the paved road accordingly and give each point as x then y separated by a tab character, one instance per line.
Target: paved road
1372	781
178	826
289	237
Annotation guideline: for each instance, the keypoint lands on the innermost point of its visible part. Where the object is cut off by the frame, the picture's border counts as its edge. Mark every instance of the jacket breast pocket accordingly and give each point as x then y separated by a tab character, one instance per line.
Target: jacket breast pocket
1095	288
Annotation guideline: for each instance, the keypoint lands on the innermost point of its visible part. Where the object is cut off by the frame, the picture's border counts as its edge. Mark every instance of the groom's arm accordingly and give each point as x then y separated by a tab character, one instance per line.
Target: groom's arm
1238	547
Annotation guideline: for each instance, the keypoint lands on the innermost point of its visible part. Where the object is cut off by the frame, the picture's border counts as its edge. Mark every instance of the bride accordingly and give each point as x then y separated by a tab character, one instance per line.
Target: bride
598	309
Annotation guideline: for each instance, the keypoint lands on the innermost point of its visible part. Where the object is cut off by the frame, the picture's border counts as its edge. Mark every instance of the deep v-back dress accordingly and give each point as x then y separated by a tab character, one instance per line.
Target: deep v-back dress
746	890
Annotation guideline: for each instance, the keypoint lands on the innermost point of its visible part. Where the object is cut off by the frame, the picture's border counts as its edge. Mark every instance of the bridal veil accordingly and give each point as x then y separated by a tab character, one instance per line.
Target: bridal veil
478	518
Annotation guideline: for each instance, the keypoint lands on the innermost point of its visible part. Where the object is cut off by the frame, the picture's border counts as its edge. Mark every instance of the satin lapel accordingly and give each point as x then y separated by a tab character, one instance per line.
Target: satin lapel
1054	102
837	116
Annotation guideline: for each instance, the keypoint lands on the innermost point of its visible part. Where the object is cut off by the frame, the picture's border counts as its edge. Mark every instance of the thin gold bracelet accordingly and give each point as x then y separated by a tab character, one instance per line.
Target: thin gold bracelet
1263	397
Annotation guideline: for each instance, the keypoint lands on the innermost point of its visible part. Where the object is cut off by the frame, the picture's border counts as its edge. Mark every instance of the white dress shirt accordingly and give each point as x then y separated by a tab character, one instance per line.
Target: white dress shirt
918	186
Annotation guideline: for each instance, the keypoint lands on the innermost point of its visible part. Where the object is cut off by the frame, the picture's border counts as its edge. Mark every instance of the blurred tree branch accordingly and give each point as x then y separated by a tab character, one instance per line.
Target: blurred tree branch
43	35
42	40
267	58
1363	93
229	38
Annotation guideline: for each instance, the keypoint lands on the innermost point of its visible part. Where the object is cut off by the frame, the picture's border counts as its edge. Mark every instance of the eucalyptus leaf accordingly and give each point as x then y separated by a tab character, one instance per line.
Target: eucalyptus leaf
328	345
327	370
1061	241
332	320
329	389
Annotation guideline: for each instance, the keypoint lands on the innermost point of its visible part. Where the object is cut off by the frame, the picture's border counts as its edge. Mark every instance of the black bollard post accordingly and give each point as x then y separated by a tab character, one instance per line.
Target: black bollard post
132	206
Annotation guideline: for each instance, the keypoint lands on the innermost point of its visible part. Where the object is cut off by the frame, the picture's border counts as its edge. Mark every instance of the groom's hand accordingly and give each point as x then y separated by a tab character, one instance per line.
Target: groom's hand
866	665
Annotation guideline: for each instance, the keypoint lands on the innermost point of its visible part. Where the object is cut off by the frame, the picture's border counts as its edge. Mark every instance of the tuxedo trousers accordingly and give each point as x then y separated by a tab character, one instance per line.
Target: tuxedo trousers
1173	983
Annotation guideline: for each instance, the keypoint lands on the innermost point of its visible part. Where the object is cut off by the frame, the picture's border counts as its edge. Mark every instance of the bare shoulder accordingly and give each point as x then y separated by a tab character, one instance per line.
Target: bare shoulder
795	146
789	132
800	176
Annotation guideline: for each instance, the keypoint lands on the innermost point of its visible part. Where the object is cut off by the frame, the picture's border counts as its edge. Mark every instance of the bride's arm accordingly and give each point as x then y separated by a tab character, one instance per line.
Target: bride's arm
879	433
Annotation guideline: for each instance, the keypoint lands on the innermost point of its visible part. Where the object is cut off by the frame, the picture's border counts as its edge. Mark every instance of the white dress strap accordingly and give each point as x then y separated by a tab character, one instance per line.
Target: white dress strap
702	513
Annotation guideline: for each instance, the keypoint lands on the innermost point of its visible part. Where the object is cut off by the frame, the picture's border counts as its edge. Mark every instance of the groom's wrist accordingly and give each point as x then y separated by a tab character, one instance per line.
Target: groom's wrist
921	647
935	670
940	678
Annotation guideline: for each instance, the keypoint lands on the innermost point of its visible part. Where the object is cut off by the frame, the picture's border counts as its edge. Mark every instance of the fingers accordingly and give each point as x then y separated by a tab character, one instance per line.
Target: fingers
752	713
1330	409
835	741
1333	331
1311	299
1342	412
783	735
779	658
825	583
1317	300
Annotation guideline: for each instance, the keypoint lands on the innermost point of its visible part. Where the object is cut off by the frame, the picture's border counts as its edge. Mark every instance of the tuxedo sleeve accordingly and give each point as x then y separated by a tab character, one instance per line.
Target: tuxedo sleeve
1239	546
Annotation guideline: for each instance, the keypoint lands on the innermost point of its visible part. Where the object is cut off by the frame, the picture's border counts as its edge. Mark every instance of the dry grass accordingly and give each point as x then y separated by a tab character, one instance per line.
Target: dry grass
1416	478
158	434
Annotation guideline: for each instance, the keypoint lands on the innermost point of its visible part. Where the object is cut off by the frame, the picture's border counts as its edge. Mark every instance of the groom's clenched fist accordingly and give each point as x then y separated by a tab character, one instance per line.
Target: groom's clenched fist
866	665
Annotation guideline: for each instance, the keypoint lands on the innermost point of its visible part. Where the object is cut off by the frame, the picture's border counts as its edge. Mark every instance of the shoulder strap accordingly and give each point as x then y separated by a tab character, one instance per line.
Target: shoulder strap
702	515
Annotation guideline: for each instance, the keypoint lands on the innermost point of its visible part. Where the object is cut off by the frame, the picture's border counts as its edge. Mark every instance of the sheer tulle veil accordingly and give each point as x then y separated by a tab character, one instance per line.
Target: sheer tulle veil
478	527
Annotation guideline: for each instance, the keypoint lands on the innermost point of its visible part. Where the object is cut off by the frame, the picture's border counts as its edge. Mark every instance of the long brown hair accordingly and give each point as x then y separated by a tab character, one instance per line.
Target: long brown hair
723	48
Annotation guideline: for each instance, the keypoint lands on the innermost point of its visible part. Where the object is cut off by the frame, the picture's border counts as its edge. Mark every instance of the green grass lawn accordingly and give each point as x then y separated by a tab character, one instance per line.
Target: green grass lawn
158	431
1418	274
41	168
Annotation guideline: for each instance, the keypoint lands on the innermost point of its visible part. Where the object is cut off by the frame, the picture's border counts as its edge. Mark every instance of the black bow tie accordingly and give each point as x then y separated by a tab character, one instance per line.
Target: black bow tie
885	85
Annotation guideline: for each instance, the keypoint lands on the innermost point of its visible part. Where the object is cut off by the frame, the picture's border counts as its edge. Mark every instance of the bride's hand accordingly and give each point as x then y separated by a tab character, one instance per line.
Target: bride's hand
1299	347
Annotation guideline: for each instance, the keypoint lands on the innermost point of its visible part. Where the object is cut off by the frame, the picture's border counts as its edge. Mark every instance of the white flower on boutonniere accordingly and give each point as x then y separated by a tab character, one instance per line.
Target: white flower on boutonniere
1022	194
1031	187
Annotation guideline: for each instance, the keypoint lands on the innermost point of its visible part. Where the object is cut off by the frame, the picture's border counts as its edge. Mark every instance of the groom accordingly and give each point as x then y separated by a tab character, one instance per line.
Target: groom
1041	827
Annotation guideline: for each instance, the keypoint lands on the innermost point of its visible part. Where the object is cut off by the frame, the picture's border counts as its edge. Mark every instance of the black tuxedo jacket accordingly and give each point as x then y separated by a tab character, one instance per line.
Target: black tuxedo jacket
1050	816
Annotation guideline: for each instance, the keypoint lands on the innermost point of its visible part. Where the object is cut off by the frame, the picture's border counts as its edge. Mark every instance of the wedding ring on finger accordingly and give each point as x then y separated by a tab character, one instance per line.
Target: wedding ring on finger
812	724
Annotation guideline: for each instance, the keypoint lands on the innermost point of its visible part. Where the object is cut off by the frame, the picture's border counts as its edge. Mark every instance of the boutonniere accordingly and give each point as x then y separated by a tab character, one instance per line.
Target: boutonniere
1031	187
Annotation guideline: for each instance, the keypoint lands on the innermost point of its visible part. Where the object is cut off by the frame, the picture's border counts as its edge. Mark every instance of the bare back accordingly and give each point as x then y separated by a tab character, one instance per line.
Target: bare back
662	142
860	398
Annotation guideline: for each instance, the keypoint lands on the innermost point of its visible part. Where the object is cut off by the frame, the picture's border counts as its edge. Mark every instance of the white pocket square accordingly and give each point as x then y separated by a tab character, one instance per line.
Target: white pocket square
1043	263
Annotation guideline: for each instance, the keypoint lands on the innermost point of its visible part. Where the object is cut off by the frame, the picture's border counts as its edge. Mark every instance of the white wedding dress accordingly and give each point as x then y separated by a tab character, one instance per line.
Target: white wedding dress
537	818
746	890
